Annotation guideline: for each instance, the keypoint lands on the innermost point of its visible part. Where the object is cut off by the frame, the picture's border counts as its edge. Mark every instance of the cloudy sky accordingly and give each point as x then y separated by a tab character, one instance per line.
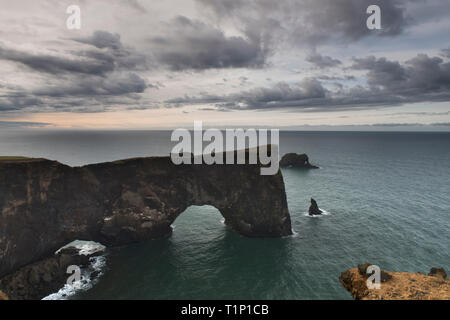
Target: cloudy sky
154	64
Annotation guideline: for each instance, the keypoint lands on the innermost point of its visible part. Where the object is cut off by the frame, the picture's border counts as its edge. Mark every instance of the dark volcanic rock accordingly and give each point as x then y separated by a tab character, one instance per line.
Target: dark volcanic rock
297	161
314	208
45	204
37	280
362	270
440	272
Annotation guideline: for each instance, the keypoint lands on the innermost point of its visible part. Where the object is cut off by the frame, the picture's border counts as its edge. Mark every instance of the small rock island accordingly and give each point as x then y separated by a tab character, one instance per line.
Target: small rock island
314	208
295	160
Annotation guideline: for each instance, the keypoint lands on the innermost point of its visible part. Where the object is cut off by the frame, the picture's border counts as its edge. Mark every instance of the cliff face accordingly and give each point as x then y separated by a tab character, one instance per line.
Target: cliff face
397	286
45	204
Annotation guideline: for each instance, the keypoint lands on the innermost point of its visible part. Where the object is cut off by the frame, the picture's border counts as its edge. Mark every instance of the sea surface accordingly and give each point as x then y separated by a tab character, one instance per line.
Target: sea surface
387	198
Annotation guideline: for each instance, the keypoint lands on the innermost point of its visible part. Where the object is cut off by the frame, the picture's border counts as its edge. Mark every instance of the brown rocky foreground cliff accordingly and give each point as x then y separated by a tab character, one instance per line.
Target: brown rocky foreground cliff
398	285
45	204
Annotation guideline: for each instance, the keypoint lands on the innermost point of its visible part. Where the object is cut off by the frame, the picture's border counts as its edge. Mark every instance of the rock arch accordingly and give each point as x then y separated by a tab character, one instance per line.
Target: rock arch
45	204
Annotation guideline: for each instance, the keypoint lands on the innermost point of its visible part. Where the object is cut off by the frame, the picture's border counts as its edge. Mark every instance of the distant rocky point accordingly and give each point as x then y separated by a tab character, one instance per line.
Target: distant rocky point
296	161
397	285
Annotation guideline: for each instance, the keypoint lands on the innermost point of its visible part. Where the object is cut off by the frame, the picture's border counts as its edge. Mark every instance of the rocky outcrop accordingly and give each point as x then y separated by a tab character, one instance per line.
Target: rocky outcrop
314	208
438	272
45	204
396	285
296	161
37	280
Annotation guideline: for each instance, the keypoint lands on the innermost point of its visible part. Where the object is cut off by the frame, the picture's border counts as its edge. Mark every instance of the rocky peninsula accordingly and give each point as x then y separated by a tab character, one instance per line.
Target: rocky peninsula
45	204
397	285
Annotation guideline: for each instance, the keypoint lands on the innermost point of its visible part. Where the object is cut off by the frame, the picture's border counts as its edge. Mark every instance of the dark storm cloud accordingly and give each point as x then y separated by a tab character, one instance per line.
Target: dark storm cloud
321	61
282	95
56	64
102	39
112	50
313	21
109	56
99	74
191	44
120	84
421	79
424	77
18	101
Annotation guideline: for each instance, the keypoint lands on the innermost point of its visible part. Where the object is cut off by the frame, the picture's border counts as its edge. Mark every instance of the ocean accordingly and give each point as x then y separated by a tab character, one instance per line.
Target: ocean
386	197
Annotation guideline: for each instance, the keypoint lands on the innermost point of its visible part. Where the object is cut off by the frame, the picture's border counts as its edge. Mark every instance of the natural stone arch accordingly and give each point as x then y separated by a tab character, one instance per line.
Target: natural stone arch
45	204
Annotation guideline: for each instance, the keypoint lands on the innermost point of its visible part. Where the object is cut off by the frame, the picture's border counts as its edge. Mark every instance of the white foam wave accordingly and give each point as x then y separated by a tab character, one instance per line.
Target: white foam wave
324	213
294	234
87	281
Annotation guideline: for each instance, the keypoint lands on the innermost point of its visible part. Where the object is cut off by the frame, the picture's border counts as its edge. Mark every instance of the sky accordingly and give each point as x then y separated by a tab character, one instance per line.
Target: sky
163	64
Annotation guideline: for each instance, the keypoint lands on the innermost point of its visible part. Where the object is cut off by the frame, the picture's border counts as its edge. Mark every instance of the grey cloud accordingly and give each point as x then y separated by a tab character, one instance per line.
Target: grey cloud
321	61
312	21
192	44
334	78
446	113
120	84
102	39
56	64
18	101
110	55
113	51
421	79
91	79
282	95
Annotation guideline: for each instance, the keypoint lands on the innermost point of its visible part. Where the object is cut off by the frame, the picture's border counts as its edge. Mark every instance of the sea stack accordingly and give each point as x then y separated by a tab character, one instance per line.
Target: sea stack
314	208
295	160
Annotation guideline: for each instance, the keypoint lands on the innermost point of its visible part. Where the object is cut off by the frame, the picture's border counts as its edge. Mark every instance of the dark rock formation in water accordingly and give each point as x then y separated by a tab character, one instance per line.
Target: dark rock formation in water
39	279
45	204
314	208
297	161
438	272
396	285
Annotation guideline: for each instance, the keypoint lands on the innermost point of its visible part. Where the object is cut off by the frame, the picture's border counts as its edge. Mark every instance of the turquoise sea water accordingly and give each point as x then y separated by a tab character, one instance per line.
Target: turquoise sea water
387	196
